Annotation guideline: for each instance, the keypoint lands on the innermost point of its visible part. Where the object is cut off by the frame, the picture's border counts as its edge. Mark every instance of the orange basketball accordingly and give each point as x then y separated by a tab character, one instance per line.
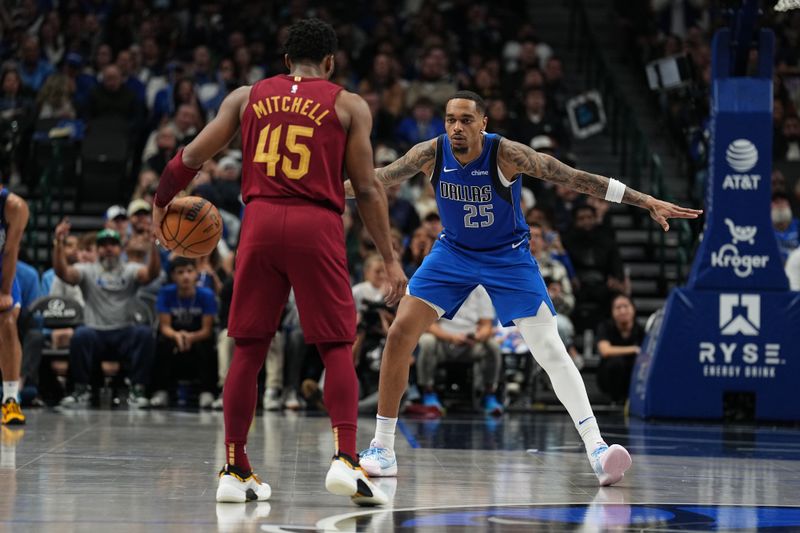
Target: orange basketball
192	227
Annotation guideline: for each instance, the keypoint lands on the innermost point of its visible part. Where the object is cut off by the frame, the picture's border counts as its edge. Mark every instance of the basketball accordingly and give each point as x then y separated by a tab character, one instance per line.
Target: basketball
192	227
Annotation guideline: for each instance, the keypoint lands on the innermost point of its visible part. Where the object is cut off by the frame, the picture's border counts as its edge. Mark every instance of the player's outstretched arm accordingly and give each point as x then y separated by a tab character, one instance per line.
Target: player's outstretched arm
182	168
17	216
420	158
370	197
516	158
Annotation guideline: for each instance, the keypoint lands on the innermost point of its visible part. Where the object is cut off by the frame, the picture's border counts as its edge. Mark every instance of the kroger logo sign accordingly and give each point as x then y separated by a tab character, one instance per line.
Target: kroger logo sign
729	255
741	155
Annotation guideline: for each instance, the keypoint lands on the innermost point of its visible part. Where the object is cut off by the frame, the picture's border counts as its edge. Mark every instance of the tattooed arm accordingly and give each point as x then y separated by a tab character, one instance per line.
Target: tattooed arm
419	158
515	158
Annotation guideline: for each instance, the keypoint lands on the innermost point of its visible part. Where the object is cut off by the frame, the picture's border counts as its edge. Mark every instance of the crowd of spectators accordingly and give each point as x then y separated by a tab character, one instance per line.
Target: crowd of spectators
166	66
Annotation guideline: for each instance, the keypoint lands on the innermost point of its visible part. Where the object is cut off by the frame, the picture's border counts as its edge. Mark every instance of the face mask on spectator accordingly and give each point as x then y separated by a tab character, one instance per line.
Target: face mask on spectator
781	215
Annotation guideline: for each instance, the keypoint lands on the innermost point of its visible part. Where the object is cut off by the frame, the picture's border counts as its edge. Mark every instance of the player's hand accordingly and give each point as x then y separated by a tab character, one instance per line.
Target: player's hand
6	302
396	282
660	211
158	218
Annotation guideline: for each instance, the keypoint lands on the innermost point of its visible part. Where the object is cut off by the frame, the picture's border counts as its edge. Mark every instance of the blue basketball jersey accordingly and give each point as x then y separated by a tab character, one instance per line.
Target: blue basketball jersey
480	208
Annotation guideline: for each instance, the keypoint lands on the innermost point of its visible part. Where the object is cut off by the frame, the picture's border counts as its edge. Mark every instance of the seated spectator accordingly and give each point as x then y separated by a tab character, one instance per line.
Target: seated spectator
787	228
30	335
141	218
470	334
598	267
557	91
55	99
787	142
112	99
224	189
558	285
421	125
537	120
82	82
167	145
618	342
384	80
185	347
109	288
419	247
185	124
15	100
499	119
373	320
434	80
117	220
793	270
432	224
71	253
148	180
125	65
402	213
33	70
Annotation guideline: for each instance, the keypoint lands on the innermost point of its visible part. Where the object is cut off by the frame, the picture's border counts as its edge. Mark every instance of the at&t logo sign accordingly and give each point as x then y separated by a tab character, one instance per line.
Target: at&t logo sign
742	157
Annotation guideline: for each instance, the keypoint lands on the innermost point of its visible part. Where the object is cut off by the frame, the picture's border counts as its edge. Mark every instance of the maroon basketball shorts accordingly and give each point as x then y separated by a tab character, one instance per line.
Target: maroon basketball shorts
288	244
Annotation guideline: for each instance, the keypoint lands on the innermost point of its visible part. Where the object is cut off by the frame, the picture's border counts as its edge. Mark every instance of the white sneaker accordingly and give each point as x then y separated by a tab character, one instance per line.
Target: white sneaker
160	399
348	479
272	400
378	461
80	398
217	404
205	401
238	486
292	402
610	463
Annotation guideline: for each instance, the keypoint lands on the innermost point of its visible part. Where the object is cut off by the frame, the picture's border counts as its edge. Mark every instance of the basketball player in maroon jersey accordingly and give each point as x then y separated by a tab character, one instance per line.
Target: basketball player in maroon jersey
298	132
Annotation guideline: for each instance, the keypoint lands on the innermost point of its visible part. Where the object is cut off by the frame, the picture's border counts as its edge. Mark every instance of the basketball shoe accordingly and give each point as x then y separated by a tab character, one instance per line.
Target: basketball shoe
12	414
346	478
238	486
378	461
610	463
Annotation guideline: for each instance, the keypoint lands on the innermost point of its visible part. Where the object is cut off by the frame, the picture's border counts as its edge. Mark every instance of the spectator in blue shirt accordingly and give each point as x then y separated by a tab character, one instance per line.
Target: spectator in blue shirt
29	283
185	349
33	69
421	125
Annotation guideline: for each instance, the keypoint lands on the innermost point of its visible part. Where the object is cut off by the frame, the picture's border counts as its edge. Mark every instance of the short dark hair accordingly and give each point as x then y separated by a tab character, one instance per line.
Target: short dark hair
480	103
180	262
582	207
780	195
310	40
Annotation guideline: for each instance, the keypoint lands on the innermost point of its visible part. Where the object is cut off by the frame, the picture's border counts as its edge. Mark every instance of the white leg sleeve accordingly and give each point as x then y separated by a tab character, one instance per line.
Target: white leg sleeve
541	335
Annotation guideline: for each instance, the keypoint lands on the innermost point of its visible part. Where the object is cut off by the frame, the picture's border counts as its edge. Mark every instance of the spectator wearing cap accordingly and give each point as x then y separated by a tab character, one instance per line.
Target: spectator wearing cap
117	220
34	70
83	83
109	287
141	218
421	125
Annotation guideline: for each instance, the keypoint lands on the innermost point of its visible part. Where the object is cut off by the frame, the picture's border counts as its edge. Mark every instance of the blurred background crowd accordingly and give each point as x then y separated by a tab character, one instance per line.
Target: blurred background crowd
139	79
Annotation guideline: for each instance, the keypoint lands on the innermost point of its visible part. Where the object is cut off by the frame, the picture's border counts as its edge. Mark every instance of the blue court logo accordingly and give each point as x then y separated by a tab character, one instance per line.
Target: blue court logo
601	516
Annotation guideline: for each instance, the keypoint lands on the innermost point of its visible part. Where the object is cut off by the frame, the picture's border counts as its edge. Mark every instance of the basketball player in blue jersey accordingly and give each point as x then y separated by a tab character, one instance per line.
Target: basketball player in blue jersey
485	242
13	219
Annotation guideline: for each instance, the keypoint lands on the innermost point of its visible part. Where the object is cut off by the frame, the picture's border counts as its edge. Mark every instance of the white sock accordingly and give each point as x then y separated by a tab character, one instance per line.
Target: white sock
11	390
590	433
541	336
384	431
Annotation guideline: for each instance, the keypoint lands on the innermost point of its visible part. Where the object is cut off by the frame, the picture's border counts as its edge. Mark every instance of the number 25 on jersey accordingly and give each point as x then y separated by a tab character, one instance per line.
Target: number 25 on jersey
269	150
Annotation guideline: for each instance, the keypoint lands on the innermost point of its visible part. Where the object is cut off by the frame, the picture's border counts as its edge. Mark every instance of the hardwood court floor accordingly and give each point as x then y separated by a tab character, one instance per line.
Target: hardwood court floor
121	470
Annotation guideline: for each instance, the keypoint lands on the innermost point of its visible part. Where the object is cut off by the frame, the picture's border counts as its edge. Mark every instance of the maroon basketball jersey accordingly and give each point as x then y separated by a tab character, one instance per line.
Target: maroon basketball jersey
292	142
